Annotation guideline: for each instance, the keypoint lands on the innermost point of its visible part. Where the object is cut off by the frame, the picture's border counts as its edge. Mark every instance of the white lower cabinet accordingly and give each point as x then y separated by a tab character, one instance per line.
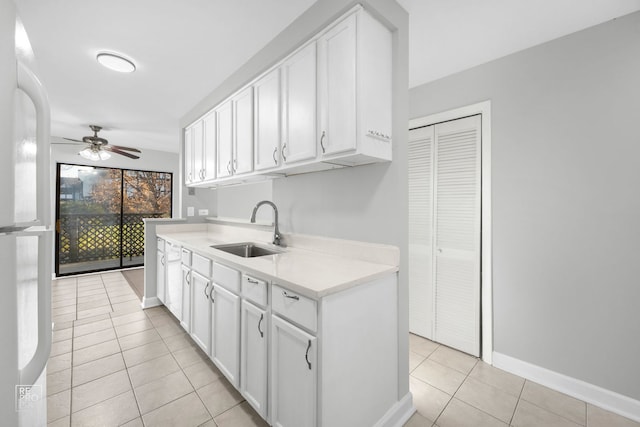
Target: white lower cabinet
293	375
201	311
185	320
161	272
270	341
253	356
173	293
225	333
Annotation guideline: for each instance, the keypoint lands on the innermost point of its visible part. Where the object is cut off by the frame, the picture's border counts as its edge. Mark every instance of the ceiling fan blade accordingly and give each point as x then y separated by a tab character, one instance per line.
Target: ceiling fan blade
112	149
120	147
70	139
66	143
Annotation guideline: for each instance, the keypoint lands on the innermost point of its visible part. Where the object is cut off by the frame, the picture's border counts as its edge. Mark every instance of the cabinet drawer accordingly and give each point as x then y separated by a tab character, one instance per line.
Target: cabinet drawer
201	264
295	307
226	277
254	290
160	243
186	256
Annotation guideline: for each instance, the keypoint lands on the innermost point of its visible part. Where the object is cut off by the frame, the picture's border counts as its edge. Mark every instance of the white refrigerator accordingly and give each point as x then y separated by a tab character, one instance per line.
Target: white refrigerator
25	230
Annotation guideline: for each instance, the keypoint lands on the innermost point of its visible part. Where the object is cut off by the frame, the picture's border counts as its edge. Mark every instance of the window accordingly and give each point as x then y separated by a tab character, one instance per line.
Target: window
99	213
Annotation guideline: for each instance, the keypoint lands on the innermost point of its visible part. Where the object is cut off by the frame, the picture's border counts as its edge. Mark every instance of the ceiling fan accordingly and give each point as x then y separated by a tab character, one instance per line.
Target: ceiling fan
99	148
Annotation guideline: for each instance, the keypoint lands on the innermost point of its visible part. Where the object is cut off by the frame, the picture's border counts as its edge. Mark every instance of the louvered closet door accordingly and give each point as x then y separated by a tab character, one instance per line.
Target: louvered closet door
420	158
457	234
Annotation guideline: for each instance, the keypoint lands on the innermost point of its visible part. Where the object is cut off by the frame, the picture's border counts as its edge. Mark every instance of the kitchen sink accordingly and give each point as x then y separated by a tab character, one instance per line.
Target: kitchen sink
247	249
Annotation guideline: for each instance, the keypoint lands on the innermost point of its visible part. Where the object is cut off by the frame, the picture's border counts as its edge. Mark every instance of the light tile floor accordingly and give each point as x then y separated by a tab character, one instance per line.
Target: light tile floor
453	389
114	364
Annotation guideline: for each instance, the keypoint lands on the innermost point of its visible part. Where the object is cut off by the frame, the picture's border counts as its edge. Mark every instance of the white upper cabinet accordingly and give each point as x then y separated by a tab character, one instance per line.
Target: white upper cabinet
188	156
267	121
224	119
337	88
299	105
208	147
200	150
354	91
243	132
326	105
197	140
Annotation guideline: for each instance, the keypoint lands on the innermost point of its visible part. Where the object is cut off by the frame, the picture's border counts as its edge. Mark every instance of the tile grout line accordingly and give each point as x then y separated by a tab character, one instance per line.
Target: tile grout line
454	393
73	339
517	402
123	361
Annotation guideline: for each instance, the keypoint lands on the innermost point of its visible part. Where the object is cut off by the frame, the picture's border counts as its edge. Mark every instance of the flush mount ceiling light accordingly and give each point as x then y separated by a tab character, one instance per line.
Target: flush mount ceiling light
116	62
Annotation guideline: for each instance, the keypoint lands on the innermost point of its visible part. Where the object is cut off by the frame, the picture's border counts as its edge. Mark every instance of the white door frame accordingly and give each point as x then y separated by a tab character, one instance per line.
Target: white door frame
483	108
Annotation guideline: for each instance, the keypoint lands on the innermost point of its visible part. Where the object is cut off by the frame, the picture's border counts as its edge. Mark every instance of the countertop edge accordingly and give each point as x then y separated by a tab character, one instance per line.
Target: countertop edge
244	266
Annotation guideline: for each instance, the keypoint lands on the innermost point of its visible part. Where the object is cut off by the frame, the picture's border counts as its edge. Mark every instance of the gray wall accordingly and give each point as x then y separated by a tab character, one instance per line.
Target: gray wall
366	203
565	177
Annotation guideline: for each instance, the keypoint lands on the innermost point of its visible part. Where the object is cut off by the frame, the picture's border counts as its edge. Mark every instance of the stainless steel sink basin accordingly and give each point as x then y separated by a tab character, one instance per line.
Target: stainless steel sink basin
247	249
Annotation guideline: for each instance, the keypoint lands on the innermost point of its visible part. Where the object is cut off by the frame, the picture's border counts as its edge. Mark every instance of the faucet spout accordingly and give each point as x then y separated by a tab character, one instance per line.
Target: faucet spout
276	231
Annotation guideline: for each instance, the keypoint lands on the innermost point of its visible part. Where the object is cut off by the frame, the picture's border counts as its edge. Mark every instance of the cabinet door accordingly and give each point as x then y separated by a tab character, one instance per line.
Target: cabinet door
209	147
197	136
225	348
188	156
294	375
337	88
243	132
185	319
160	276
201	311
253	358
224	122
174	288
299	105
267	121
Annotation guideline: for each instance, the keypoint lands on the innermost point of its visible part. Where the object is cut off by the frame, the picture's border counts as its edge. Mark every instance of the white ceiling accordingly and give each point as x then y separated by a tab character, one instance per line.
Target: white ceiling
185	49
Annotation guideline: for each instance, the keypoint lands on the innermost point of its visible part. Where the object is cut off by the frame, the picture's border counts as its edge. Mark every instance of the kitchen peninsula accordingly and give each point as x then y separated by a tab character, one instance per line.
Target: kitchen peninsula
308	335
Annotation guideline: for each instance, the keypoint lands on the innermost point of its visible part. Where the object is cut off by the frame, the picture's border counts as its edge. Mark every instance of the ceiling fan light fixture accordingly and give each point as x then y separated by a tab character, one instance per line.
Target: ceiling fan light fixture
116	62
94	155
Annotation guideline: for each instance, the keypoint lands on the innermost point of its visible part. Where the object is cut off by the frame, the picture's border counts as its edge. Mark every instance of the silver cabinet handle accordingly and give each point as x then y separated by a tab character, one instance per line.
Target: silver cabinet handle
286	295
229	167
250	280
306	355
235	165
211	295
162	260
259	322
205	290
284	147
275	150
321	142
187	277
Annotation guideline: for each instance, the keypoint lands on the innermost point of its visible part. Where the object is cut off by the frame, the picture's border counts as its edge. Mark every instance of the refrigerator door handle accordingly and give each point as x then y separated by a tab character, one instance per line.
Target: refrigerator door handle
32	370
29	84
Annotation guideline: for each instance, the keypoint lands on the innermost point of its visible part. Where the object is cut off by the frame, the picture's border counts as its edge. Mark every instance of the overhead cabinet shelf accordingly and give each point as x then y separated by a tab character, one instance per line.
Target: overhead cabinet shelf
325	106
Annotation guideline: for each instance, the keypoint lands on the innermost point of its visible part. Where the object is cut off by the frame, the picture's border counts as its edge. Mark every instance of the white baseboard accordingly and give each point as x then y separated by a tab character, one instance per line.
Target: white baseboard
598	396
399	413
150	302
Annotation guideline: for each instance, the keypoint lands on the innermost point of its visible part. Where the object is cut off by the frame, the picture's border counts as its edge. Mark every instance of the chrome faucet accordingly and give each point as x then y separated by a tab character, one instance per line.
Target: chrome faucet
276	231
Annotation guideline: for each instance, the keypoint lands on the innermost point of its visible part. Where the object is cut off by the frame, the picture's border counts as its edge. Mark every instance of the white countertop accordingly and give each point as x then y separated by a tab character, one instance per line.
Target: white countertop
335	265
